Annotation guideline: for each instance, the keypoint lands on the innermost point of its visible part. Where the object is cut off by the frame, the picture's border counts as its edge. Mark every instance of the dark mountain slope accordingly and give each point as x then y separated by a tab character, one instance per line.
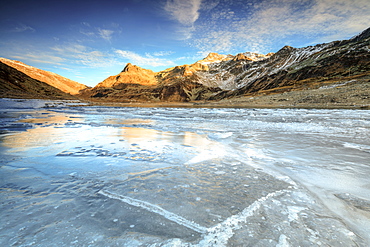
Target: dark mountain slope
335	61
15	84
55	80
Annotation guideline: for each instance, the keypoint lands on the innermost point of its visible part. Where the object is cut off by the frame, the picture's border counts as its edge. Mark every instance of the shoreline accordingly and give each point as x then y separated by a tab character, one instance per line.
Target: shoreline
207	104
224	105
354	94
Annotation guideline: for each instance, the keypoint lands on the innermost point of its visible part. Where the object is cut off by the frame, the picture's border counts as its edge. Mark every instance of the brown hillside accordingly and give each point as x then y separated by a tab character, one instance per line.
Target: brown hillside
55	80
16	84
131	74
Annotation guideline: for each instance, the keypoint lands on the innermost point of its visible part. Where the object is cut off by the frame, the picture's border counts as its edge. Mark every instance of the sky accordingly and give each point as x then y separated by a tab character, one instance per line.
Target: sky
87	41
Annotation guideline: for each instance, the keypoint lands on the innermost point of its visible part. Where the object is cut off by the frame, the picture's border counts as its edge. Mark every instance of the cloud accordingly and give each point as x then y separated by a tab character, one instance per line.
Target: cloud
162	53
80	54
147	60
87	33
184	33
92	59
27	52
63	55
273	23
39	57
71	48
22	28
186	13
105	34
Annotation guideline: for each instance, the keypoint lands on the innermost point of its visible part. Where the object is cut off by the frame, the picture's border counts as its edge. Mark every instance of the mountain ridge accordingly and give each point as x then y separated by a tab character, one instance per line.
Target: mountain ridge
16	84
145	84
64	84
221	76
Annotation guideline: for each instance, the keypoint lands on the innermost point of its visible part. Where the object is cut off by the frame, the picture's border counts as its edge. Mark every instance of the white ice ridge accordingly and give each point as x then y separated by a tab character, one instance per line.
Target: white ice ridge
217	235
222	232
155	209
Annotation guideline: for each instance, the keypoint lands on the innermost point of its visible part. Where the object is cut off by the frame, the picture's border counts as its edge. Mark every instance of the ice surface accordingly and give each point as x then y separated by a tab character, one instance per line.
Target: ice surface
155	209
109	176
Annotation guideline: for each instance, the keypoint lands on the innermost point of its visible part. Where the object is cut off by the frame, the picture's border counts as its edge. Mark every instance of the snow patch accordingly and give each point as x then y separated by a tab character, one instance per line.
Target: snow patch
293	212
283	241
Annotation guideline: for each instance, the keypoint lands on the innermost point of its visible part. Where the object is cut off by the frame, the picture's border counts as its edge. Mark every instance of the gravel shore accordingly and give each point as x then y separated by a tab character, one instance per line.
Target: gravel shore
350	94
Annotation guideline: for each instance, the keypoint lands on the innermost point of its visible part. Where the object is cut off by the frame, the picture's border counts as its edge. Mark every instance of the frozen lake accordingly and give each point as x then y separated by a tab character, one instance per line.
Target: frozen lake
109	176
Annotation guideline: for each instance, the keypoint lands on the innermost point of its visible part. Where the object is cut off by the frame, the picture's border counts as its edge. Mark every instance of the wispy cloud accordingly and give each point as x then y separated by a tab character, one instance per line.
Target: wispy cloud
84	55
105	34
147	60
63	55
29	53
162	53
270	23
70	48
22	28
186	13
38	57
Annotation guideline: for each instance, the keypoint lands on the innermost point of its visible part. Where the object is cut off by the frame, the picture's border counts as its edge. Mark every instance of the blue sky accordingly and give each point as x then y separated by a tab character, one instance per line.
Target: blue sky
87	41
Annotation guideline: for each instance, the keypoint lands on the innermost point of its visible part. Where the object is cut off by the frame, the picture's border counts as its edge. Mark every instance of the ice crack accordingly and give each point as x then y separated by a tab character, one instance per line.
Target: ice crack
155	209
222	232
217	235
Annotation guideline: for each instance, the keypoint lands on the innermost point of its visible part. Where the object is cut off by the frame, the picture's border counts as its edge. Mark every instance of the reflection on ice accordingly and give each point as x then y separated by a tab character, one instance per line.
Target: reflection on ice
100	176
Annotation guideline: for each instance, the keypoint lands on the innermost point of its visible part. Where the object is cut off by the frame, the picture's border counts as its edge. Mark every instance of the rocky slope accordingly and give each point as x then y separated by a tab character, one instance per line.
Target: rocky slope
180	83
299	68
225	76
131	74
16	84
352	93
55	80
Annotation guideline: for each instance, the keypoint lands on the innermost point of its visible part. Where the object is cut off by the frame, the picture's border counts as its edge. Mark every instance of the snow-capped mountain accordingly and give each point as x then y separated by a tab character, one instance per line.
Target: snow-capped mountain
218	76
174	84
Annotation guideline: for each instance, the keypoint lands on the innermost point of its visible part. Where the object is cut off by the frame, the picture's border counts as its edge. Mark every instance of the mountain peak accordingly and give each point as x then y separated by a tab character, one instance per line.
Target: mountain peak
213	57
251	56
131	74
241	56
130	68
364	35
126	68
287	47
285	50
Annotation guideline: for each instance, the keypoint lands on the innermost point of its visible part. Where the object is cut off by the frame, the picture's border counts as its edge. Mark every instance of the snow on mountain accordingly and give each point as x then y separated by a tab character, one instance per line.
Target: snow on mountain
218	75
214	58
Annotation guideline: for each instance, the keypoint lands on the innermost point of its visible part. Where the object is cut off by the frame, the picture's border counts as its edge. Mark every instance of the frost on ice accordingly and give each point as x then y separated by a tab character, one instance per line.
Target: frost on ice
104	176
